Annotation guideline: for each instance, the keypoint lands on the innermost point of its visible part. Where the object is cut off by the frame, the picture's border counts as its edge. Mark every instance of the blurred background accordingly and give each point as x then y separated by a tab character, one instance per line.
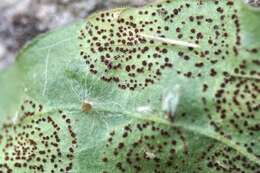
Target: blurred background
21	20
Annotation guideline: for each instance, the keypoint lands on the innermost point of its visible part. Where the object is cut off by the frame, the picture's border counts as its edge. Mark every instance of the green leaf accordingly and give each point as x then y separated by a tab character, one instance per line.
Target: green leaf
113	94
10	91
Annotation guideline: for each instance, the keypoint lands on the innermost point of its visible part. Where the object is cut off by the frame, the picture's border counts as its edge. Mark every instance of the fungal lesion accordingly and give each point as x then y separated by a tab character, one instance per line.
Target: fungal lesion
35	143
144	146
253	50
224	159
27	109
236	107
134	54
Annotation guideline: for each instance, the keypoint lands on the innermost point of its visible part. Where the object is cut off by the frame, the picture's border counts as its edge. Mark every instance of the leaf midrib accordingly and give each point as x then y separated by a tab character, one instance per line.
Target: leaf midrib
155	118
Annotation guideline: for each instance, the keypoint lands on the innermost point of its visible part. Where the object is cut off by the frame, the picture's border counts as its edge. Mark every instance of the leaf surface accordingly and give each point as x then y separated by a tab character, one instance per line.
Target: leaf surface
98	96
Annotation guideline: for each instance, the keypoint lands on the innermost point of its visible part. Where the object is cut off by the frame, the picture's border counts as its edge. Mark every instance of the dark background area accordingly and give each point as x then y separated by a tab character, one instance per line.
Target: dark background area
22	20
